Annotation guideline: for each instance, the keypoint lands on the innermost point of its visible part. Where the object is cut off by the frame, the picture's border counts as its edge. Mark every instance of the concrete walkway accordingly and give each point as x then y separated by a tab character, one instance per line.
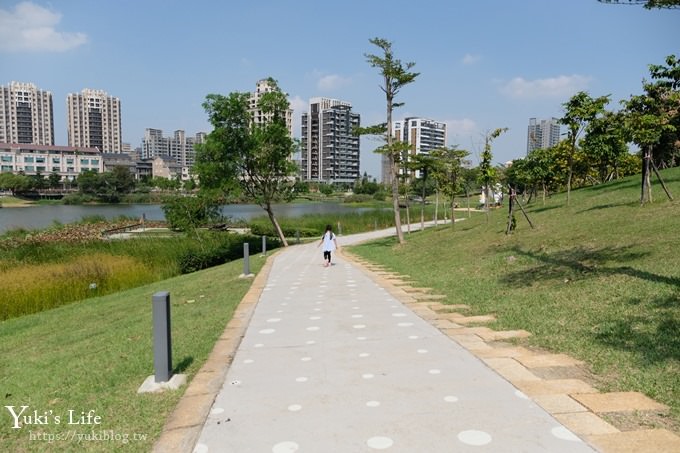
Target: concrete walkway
332	362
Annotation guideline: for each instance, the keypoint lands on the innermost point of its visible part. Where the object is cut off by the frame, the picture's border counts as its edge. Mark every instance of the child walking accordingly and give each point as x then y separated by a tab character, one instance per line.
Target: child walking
329	244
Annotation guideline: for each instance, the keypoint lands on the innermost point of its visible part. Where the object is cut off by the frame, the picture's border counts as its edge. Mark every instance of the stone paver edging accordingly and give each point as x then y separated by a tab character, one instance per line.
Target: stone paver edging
183	427
573	402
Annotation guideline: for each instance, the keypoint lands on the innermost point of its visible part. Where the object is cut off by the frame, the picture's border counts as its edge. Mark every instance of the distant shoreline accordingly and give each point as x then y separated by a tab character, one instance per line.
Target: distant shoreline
12	202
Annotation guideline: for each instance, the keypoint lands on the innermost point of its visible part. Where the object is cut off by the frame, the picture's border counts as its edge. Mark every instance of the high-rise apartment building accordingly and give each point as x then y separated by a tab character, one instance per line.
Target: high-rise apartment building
330	150
542	134
178	147
94	120
26	115
424	135
264	86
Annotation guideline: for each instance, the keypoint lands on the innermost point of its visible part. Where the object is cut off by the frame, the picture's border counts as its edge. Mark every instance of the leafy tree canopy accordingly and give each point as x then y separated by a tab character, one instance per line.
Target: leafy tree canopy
242	156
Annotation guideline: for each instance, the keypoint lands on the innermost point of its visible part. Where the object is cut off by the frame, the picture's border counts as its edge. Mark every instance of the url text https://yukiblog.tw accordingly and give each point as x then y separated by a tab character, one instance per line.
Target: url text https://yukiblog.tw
72	435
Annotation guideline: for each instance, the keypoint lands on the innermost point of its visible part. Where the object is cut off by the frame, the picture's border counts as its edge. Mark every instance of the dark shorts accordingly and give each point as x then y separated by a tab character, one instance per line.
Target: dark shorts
327	255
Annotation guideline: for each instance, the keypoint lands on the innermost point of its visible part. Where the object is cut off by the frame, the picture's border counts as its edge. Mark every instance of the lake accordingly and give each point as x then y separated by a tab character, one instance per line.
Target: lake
33	217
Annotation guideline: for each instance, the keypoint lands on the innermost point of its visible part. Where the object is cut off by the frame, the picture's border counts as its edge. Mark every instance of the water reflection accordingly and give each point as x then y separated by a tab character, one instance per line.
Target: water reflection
43	216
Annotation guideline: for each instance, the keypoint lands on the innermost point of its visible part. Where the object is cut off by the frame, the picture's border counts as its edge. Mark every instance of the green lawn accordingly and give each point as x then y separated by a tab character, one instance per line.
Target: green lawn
94	354
599	280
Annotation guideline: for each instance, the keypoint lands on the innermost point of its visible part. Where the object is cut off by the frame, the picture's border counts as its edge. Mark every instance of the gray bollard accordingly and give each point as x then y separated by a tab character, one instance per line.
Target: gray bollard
339	229
246	258
375	225
297	236
162	341
264	245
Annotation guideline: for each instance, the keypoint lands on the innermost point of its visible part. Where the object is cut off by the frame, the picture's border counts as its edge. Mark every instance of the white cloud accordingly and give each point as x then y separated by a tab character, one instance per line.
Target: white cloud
456	130
553	87
299	106
32	28
470	59
332	82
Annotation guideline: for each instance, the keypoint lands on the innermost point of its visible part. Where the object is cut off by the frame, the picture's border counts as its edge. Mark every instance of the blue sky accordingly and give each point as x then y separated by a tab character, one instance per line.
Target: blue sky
484	63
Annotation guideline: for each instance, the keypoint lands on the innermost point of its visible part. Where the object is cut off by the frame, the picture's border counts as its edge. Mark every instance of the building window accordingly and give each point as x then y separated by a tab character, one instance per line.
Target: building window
84	161
56	160
69	161
28	159
94	162
39	160
7	158
55	169
29	168
6	168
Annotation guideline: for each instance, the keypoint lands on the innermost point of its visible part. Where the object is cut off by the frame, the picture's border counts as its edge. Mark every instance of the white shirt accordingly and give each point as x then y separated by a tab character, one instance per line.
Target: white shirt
328	241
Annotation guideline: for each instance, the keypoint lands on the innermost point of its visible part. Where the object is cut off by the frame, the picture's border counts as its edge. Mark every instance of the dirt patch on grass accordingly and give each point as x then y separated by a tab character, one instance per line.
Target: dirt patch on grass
634	421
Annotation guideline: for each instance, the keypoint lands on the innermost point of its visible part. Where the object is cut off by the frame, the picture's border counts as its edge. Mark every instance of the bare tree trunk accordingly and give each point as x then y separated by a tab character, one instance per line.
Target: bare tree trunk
467	195
453	216
436	207
277	227
570	163
422	208
646	195
510	211
570	175
408	215
544	192
395	201
394	170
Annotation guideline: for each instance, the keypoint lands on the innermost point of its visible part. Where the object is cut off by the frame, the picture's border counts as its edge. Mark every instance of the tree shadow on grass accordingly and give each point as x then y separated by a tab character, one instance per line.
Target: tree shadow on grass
614	185
532	210
579	263
653	340
653	336
630	204
183	365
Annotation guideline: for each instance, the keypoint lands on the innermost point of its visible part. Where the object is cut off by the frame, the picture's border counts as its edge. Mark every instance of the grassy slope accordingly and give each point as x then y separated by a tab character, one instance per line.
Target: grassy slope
94	354
599	280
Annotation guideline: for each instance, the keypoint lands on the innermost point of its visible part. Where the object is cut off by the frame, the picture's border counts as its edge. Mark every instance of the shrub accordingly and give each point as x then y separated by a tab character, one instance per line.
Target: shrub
188	213
260	228
77	198
219	248
358	198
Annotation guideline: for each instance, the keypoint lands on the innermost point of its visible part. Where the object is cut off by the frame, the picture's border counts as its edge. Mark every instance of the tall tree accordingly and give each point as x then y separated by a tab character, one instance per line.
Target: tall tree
578	112
652	121
53	180
487	172
645	125
605	144
425	164
664	89
242	155
395	76
448	172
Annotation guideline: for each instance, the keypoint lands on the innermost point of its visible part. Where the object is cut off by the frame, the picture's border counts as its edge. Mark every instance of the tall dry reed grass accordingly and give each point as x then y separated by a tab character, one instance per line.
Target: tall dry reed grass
32	288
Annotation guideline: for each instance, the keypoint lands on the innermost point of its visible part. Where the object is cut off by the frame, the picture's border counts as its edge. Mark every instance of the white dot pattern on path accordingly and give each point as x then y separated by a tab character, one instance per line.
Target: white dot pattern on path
474	437
338	345
380	442
285	447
